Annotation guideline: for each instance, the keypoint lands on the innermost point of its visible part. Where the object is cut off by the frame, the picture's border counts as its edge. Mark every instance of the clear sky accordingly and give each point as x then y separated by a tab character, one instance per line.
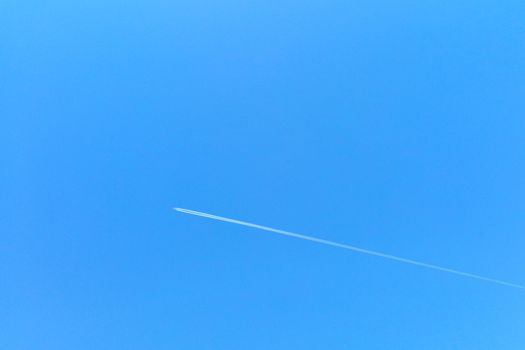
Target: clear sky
395	126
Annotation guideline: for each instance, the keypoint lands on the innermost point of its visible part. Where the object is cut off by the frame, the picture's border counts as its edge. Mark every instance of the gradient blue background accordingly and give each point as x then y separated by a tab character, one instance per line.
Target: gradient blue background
392	125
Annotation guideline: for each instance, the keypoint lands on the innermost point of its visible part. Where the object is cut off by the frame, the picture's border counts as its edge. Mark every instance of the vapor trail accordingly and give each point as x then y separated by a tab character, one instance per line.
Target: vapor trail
349	247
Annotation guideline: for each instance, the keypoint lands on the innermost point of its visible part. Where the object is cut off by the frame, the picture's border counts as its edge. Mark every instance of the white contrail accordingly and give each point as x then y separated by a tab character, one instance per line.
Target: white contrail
349	247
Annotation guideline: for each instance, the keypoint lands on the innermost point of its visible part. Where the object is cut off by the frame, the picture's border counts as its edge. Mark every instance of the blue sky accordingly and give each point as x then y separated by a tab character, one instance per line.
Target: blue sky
392	125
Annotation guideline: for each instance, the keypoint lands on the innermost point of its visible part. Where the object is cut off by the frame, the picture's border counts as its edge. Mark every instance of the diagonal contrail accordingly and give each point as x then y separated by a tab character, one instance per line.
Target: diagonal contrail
349	247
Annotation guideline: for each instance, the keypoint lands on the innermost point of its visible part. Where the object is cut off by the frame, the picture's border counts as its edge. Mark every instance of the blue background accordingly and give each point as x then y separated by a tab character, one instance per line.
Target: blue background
396	126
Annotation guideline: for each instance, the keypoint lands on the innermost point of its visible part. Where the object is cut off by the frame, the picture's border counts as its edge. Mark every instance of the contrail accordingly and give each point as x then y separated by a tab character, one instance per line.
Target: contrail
350	247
